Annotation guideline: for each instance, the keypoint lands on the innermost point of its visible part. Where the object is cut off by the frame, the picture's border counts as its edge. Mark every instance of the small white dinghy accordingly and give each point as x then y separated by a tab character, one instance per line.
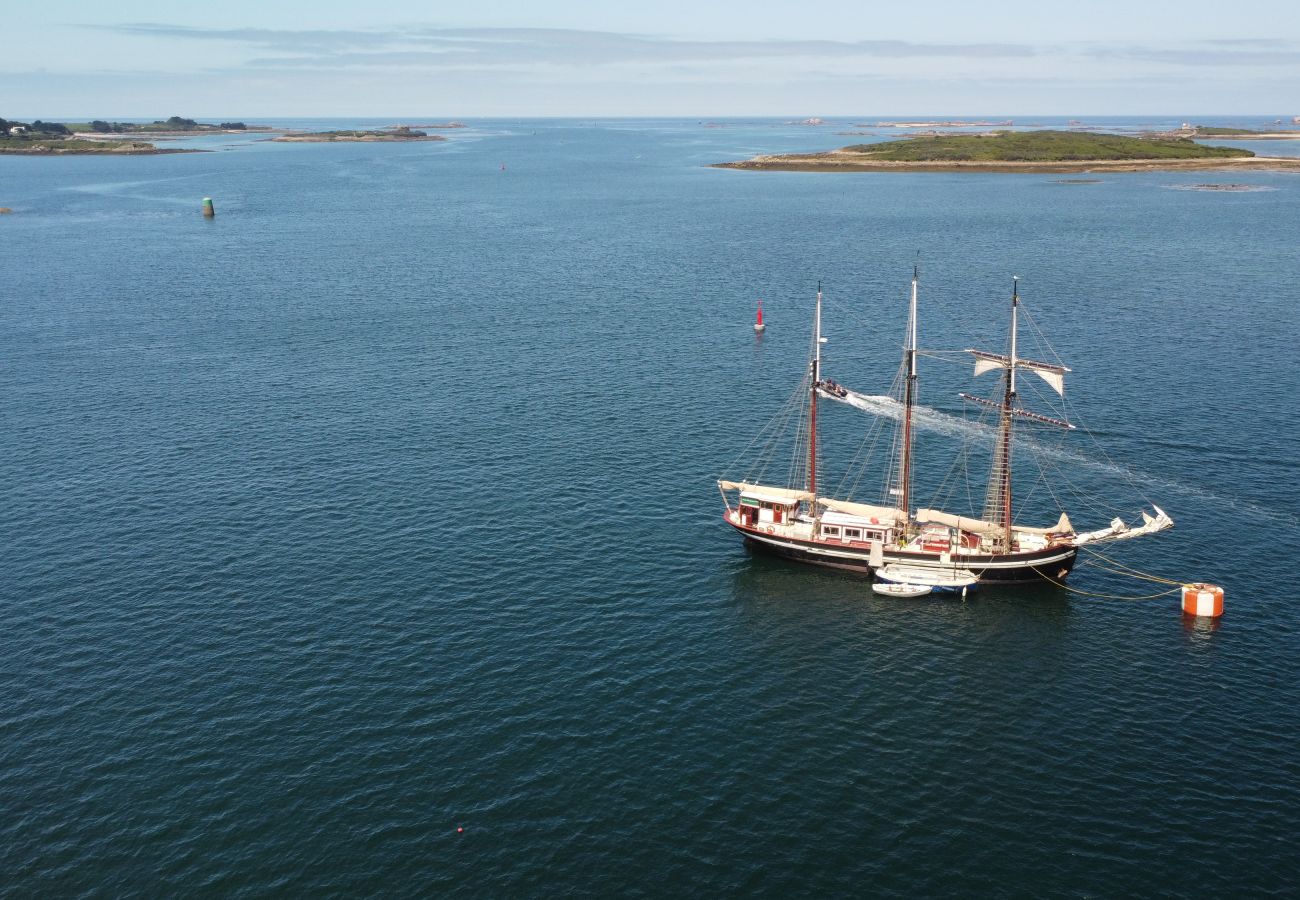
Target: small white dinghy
949	579
901	591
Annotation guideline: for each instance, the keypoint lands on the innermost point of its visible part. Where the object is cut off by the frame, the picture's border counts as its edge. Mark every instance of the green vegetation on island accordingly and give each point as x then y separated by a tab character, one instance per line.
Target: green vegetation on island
1022	151
36	130
401	133
1038	146
1217	130
173	125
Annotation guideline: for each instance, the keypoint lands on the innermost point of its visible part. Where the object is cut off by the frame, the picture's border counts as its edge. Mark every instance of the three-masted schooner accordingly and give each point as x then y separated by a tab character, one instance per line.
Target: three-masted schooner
801	523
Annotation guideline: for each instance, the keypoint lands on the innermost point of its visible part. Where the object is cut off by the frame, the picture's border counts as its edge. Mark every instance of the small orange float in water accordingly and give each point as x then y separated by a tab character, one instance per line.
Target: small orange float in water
1203	600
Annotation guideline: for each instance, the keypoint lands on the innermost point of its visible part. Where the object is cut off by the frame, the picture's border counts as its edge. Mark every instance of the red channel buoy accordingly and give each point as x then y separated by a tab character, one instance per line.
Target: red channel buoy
1203	600
759	326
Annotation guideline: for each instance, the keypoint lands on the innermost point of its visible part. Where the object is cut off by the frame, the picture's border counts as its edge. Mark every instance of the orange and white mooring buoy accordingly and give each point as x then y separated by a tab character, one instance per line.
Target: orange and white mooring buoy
1203	600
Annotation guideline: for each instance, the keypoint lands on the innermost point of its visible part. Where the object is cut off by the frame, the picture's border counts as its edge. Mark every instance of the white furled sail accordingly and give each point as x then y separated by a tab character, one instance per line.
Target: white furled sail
989	362
1118	531
965	523
979	526
766	490
885	515
1062	526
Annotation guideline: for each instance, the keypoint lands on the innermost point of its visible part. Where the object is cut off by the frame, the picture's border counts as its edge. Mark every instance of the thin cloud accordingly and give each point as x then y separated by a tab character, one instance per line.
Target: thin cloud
458	47
1210	53
1247	42
264	37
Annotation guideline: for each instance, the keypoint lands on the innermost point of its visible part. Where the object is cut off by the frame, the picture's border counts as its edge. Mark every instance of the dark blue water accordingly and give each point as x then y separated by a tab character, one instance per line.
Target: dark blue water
383	506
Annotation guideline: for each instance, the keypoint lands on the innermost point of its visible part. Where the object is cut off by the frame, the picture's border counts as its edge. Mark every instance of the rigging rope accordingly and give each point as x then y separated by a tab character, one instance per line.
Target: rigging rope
1096	596
1130	571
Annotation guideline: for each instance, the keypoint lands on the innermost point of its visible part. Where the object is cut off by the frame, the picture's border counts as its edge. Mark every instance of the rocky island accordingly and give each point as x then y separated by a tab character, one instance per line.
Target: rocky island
401	133
1025	151
1215	131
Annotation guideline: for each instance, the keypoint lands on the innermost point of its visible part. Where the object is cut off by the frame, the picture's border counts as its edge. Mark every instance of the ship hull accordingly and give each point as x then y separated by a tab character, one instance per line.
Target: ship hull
1049	565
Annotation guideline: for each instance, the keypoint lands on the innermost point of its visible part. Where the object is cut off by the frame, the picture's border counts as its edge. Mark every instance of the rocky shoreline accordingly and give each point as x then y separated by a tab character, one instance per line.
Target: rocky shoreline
106	148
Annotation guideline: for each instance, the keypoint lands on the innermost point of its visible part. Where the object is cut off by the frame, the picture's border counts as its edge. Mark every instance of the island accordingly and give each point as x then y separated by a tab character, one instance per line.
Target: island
1216	131
1024	151
99	136
400	133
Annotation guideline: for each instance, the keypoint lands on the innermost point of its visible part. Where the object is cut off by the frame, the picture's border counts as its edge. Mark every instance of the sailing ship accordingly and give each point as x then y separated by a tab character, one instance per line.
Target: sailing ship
801	522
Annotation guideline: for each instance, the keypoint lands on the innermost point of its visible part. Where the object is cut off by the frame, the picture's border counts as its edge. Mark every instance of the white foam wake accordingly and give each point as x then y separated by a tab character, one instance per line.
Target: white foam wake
933	420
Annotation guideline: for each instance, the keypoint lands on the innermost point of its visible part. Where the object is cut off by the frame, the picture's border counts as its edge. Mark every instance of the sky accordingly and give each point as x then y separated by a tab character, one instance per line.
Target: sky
245	59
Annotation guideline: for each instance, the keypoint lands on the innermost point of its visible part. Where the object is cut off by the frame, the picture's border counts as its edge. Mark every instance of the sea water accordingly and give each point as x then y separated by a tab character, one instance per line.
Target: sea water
365	538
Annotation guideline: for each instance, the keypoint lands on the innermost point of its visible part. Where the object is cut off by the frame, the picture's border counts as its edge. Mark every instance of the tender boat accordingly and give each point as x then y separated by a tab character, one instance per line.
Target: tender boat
950	580
900	591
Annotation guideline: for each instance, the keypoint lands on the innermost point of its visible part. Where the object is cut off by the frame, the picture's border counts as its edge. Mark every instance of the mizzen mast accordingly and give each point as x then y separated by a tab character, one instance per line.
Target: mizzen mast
909	401
812	393
997	503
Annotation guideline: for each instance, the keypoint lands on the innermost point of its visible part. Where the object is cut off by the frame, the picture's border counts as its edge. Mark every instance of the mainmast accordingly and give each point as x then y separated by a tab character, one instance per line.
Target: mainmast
909	401
812	393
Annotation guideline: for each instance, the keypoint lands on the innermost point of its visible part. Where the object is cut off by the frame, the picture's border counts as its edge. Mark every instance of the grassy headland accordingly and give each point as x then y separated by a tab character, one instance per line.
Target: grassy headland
1008	151
38	137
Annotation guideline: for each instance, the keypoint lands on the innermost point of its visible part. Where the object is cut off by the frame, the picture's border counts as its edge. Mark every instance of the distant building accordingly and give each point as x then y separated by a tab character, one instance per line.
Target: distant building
18	129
